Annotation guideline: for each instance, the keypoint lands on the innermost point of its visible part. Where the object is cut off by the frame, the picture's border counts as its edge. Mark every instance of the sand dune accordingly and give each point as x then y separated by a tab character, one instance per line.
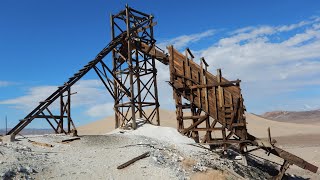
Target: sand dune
167	118
302	117
256	125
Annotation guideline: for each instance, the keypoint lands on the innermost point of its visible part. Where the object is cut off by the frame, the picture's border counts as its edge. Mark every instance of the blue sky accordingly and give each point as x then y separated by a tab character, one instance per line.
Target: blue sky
272	46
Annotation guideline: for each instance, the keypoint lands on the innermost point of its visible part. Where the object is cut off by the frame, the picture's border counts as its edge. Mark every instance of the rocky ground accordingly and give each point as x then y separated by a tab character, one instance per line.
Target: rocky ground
170	156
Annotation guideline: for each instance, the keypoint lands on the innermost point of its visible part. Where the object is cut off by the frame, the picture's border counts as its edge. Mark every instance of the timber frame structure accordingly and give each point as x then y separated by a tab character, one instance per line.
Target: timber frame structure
207	96
216	104
205	103
134	69
131	81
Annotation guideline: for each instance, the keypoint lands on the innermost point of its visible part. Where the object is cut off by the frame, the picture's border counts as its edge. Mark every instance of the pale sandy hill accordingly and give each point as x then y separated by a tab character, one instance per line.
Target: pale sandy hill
167	118
257	126
294	116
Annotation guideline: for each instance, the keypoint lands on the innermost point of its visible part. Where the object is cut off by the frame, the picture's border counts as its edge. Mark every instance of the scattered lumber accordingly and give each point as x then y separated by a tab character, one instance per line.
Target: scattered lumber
69	140
144	155
41	144
37	143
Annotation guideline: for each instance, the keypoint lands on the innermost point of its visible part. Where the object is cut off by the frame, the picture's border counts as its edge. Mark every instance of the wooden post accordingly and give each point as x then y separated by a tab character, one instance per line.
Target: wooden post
205	92
115	88
134	124
220	89
61	114
155	84
222	108
138	85
69	110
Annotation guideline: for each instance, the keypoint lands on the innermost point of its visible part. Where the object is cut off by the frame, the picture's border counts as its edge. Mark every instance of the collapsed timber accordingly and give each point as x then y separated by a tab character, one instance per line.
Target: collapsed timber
215	103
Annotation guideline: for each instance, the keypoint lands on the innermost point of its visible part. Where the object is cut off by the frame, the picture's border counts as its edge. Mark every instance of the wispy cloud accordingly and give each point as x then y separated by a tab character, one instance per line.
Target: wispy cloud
184	40
89	92
5	83
31	99
271	60
101	110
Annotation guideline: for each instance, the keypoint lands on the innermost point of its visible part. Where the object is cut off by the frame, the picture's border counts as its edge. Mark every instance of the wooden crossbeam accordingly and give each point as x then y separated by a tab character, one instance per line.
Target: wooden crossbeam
194	125
222	84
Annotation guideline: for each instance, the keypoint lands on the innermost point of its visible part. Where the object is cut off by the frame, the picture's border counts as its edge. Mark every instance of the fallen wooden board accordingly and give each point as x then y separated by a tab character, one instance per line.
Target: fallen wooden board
69	140
41	144
133	160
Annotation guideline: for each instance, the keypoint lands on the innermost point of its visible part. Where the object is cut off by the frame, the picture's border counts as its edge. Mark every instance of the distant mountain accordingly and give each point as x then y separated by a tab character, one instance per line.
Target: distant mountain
309	117
29	131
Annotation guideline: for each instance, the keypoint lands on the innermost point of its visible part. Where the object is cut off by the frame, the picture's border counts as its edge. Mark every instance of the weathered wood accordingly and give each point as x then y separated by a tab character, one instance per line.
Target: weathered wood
69	140
194	125
221	84
193	117
41	144
144	155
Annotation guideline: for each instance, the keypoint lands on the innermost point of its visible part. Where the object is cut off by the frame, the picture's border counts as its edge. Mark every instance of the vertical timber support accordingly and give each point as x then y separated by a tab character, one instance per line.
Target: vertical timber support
131	71
114	64
69	110
282	170
221	106
155	84
61	114
134	71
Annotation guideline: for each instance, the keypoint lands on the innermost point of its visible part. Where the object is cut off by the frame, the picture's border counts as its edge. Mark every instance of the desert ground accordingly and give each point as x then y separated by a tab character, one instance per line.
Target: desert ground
101	149
300	139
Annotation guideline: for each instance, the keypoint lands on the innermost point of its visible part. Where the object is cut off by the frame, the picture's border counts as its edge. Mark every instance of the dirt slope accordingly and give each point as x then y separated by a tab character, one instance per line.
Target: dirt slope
256	125
294	116
167	118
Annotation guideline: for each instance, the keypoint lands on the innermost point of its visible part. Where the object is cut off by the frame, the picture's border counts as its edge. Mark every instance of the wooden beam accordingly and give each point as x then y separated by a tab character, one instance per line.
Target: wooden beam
194	125
144	155
222	84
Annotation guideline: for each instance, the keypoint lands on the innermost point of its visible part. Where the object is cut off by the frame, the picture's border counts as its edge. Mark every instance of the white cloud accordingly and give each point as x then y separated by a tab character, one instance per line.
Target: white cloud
185	40
88	92
270	60
5	83
31	99
294	26
101	110
266	66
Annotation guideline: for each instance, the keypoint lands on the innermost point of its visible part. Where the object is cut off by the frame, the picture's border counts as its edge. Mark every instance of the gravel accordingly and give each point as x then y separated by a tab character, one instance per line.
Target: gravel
172	156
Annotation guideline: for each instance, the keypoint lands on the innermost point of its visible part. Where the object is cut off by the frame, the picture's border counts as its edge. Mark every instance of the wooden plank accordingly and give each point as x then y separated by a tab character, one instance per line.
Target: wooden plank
222	84
71	139
193	117
131	161
207	129
41	144
220	89
193	125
